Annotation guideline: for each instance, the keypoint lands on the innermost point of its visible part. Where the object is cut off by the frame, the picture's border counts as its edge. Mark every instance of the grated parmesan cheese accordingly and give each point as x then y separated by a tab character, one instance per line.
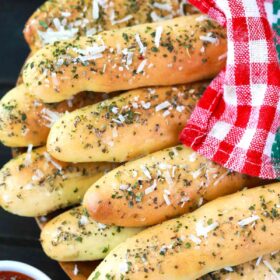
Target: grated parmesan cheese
50	36
151	188
115	110
155	17
121	118
146	105
193	157
165	113
201	230
90	53
95	9
91	31
75	270
129	58
83	220
168	177
163	6
101	226
228	268
248	220
166	199
269	266
28	159
159	30
51	116
124	267
180	109
123	187
162	106
259	259
66	14
140	44
208	39
141	66
146	172
54	163
126	18
195	239
38	175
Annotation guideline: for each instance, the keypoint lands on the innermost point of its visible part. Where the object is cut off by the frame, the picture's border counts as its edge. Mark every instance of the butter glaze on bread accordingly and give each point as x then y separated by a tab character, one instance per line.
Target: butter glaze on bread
58	20
228	231
25	120
130	125
74	236
158	187
34	184
176	51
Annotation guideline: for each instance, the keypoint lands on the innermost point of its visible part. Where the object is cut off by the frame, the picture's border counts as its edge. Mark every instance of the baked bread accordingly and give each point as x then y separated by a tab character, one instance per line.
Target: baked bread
264	267
25	120
176	51
35	184
130	125
160	186
74	236
228	231
58	20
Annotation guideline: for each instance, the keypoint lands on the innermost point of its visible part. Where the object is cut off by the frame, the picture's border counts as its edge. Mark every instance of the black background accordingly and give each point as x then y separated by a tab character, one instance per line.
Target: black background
19	237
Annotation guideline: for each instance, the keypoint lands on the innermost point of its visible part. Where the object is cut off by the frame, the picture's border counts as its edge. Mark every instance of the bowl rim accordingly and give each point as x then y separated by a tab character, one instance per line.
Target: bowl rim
16	266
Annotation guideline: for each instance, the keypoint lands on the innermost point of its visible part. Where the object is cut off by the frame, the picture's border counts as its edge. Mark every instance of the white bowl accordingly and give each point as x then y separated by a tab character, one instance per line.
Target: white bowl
24	269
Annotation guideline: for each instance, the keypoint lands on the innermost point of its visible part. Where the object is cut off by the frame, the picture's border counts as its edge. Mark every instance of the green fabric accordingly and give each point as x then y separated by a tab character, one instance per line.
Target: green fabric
275	153
276	26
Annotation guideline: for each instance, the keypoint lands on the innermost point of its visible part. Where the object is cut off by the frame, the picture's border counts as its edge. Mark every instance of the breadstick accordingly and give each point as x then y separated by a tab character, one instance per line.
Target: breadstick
25	120
228	231
74	236
64	19
176	51
130	125
159	186
264	267
34	184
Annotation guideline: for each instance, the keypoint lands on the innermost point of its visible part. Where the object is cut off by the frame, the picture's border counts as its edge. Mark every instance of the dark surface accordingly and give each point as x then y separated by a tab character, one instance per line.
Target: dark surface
19	237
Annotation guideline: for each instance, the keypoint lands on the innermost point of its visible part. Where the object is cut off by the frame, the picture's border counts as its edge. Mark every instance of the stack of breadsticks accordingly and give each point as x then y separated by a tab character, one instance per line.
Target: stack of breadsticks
106	90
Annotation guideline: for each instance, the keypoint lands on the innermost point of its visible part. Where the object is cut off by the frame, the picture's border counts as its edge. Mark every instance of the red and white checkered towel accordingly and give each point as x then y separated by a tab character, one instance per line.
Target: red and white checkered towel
237	118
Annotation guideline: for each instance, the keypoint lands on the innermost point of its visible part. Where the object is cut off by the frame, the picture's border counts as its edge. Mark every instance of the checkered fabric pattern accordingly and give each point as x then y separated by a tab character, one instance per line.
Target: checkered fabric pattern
236	120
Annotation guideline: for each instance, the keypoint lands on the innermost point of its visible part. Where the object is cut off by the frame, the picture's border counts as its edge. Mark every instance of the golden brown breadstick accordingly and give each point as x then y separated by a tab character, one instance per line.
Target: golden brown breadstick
35	184
176	51
58	20
228	231
159	186
130	125
74	236
264	267
25	120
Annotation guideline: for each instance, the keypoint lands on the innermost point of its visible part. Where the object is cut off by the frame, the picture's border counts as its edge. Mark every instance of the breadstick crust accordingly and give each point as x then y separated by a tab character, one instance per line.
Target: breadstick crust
257	269
74	236
171	250
158	187
33	185
128	58
25	120
76	16
128	126
20	121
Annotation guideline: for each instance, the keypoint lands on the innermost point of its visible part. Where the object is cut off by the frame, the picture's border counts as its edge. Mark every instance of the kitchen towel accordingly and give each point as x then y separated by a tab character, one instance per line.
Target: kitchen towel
236	121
